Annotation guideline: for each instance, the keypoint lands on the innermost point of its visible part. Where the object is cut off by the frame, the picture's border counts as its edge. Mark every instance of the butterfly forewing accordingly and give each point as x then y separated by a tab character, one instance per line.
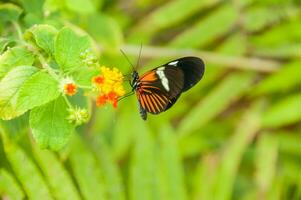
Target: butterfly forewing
193	69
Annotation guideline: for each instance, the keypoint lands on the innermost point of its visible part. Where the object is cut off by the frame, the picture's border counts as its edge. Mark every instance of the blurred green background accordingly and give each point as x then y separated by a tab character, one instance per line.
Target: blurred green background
235	135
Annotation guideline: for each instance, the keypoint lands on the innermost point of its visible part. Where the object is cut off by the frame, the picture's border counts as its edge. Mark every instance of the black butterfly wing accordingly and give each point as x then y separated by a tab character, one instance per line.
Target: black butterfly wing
160	88
193	69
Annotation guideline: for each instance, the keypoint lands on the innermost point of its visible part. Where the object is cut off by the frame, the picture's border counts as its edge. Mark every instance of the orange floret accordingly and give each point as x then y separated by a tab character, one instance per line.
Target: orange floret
70	89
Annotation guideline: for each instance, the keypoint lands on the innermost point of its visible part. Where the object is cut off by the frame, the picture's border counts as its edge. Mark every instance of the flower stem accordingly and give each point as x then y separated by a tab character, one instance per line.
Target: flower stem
84	86
68	102
18	29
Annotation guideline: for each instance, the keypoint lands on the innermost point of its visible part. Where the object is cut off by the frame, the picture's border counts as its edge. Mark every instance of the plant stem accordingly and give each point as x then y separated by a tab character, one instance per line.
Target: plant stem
84	86
67	101
18	29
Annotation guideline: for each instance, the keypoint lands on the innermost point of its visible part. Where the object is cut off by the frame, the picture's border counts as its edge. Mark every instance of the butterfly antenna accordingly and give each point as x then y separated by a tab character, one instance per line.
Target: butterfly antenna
138	61
127	59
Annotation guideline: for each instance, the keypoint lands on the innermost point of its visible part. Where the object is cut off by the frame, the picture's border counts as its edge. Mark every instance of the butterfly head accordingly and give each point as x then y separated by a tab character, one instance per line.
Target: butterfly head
135	78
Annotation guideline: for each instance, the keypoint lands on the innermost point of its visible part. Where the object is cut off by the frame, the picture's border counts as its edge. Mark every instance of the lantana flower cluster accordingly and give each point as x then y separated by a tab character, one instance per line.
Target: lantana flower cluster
109	86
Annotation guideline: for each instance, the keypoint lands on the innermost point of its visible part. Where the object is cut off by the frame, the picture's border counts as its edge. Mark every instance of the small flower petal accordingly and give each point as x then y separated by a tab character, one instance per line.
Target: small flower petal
101	100
68	86
98	79
70	89
109	86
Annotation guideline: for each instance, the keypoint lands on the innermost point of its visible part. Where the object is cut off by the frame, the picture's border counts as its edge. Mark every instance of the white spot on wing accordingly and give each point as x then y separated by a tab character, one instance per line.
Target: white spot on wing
174	63
164	80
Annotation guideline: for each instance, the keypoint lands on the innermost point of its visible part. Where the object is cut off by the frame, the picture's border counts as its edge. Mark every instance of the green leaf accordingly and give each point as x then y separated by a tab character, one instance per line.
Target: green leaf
84	75
284	33
171	168
43	36
49	124
107	32
289	142
9	186
143	164
284	112
223	19
37	90
161	17
206	171
32	19
266	163
81	6
283	80
111	172
233	154
4	42
122	140
215	102
60	181
9	12
257	17
27	172
34	7
9	90
14	57
86	170
15	127
68	48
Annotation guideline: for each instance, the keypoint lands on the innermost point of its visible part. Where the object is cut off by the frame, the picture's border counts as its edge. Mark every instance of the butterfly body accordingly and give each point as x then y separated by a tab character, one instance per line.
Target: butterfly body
158	89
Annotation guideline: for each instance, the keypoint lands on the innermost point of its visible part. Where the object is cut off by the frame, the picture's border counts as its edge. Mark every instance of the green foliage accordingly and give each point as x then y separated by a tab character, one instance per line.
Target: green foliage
33	93
284	112
80	6
9	91
235	135
228	90
223	19
267	153
43	36
68	48
285	79
46	158
84	165
49	124
107	32
9	12
9	186
22	165
232	155
16	56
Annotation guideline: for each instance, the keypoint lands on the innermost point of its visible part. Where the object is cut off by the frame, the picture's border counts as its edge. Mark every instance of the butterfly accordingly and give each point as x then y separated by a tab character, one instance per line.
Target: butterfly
158	90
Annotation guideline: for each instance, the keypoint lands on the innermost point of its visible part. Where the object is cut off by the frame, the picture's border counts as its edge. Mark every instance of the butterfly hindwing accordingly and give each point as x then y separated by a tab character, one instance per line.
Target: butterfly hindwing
159	88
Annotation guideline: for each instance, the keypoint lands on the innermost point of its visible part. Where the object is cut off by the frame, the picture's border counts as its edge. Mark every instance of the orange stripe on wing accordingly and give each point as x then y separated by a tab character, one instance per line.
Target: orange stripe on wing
160	102
160	97
150	103
155	102
141	100
147	106
149	76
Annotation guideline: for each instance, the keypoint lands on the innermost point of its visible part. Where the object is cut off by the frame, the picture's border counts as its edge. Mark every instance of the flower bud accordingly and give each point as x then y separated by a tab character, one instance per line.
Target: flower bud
78	116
